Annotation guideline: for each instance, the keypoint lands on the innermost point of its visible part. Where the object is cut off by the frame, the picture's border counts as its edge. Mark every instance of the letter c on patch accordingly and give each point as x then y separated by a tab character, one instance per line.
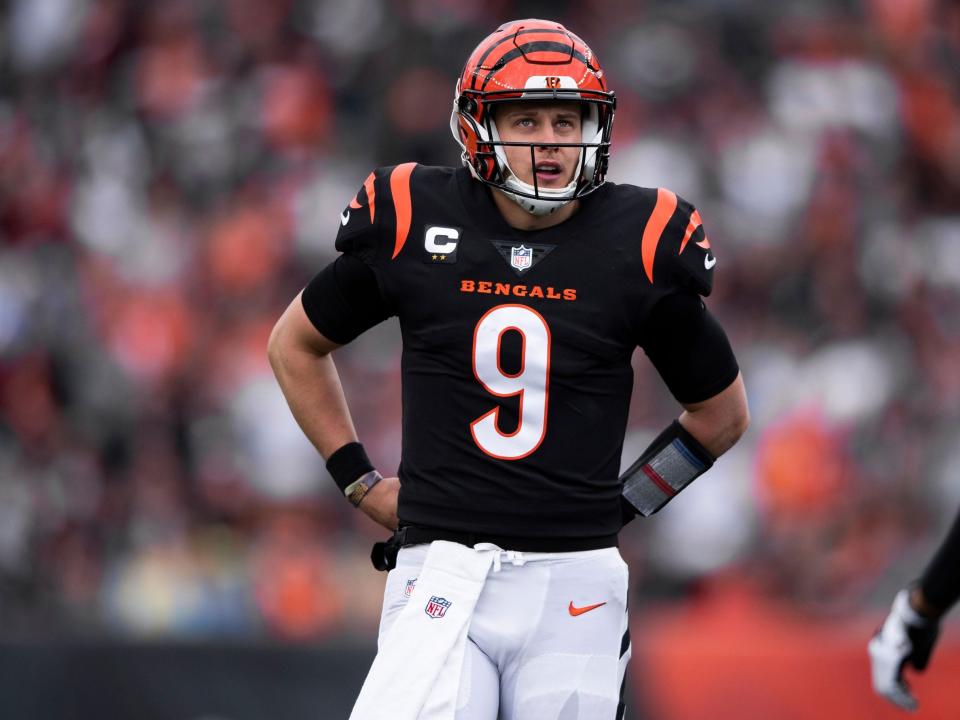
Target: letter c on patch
438	231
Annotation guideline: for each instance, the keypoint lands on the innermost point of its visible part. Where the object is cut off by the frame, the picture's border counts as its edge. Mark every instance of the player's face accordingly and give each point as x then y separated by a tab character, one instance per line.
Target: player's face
529	122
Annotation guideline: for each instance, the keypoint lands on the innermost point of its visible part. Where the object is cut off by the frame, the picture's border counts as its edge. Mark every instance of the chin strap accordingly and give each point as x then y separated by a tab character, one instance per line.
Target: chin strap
537	208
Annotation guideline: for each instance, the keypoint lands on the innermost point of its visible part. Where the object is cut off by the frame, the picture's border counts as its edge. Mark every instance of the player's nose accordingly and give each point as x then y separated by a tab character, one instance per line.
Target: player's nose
547	135
546	148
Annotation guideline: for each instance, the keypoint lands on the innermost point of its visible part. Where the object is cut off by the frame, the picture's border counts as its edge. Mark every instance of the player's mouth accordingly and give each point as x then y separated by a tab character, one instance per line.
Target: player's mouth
549	172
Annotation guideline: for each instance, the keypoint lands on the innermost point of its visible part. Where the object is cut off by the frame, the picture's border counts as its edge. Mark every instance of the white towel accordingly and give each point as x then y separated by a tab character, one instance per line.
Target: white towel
416	674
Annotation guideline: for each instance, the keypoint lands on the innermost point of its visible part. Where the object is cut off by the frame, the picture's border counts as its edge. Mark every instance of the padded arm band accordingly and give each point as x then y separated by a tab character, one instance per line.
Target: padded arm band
671	462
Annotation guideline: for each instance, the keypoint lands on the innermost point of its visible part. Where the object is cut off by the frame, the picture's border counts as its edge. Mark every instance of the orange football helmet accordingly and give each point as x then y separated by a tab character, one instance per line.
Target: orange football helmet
535	60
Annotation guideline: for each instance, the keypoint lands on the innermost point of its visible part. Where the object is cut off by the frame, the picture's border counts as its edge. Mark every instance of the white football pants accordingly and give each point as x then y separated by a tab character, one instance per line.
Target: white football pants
548	639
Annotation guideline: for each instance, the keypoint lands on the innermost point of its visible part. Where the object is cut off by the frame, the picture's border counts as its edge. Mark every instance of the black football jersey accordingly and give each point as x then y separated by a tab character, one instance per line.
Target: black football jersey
517	344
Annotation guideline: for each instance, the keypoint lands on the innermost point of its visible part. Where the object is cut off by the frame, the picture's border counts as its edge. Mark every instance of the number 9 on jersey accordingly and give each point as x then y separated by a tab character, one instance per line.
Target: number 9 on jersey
530	382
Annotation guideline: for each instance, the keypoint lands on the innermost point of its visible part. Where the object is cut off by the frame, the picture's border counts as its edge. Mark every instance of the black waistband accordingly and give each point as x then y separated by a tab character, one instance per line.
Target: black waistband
384	555
412	535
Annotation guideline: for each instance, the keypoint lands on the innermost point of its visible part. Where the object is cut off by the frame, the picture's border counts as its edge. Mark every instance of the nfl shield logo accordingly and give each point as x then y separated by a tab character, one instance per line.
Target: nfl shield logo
411	583
521	257
437	606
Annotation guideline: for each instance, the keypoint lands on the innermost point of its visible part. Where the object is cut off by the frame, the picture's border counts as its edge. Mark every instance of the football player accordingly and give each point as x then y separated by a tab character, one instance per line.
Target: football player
909	633
523	283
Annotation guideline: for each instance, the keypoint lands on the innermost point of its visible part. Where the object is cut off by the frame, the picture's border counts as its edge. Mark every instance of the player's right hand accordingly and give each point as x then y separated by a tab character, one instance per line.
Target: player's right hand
380	503
905	638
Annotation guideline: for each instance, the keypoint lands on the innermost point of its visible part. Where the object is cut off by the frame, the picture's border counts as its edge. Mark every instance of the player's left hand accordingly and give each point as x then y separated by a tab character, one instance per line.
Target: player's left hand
380	503
905	638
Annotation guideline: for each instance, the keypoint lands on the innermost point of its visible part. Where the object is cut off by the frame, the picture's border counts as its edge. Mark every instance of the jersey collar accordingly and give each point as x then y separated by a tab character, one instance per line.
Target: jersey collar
485	216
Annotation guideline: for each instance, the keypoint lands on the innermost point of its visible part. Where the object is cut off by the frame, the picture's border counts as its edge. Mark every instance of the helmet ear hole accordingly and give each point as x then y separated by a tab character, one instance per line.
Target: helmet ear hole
467	105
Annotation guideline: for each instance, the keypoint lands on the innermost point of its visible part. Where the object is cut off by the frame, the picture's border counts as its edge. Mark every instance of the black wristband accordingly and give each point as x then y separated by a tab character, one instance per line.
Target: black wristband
347	464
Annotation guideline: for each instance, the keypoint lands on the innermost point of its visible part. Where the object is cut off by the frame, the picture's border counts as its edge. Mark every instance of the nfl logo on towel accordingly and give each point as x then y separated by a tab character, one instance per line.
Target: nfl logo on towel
521	257
437	607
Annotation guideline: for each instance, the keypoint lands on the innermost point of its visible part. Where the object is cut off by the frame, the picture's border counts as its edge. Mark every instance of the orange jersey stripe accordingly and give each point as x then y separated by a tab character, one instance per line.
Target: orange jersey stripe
692	226
354	203
400	190
371	195
656	224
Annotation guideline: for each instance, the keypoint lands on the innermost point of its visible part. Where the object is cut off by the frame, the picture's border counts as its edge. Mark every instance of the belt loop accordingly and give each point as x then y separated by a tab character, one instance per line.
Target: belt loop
516	558
490	547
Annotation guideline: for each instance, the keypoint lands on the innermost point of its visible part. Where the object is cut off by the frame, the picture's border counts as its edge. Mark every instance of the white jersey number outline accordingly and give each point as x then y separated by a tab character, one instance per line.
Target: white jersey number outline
531	383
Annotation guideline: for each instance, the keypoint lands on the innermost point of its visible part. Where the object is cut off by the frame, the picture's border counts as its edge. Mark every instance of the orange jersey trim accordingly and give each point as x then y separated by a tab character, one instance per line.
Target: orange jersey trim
371	195
692	226
488	287
400	191
656	224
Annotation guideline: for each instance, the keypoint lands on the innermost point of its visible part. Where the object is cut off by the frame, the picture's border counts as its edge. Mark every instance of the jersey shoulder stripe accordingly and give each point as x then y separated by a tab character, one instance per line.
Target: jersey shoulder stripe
674	249
369	195
692	226
689	256
402	204
371	192
653	230
383	235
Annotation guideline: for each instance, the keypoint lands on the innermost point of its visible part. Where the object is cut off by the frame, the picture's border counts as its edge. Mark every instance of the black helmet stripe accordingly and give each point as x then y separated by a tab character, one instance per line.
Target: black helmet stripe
539	45
498	43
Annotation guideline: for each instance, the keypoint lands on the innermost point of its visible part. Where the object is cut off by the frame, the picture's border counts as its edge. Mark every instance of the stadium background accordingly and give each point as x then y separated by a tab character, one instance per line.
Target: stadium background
171	175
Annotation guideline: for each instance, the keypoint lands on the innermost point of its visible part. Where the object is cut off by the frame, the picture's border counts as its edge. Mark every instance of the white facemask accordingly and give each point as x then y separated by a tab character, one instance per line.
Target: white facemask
551	199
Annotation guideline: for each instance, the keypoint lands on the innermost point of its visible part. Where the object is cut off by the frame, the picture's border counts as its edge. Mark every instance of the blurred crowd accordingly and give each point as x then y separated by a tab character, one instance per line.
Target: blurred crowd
171	174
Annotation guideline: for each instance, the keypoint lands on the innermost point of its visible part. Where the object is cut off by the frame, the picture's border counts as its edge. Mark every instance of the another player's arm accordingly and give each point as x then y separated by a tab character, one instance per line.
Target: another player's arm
910	631
938	589
300	356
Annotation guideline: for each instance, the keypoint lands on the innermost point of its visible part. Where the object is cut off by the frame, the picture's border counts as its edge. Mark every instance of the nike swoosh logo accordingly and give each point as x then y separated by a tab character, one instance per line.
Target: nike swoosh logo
709	262
344	217
574	611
